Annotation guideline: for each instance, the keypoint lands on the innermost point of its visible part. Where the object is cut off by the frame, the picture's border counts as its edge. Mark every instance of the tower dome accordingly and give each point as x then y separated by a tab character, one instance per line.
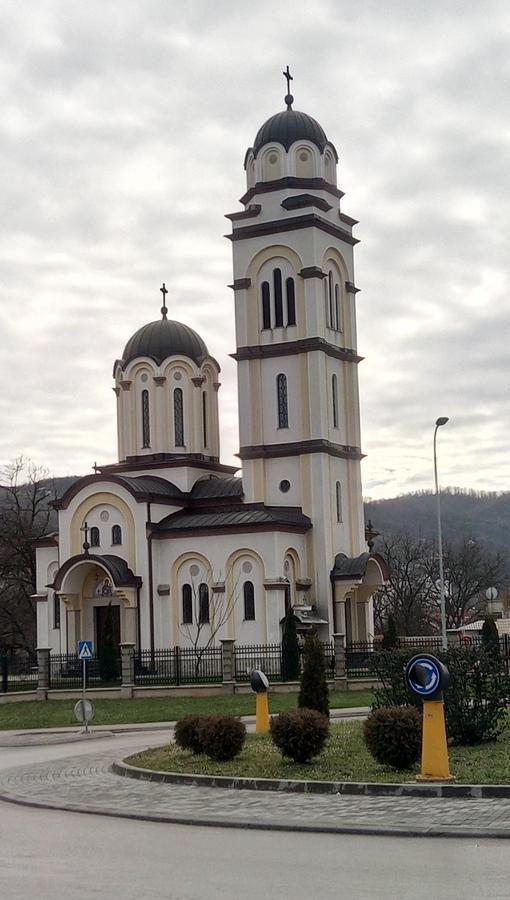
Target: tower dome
163	338
289	126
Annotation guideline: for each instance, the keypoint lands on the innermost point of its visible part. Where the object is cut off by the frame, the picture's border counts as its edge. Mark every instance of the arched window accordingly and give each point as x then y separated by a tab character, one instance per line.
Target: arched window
203	603
339	502
283	408
116	534
330	299
178	418
187	605
334	400
95	538
249	601
338	320
266	305
56	611
146	426
278	298
291	301
204	418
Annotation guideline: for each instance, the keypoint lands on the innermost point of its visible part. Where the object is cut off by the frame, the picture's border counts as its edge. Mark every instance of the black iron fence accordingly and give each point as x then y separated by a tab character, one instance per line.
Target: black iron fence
66	671
269	658
179	665
18	672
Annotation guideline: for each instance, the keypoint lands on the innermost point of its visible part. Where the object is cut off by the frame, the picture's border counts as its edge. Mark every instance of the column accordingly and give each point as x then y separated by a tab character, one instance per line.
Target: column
127	655
340	662
43	672
227	656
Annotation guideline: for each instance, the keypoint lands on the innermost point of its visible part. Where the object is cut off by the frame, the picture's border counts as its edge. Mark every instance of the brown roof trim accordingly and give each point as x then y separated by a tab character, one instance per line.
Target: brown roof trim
46	540
140	496
229	529
312	272
290	181
289	348
351	288
240	284
297	201
168	461
348	220
295	223
249	213
299	448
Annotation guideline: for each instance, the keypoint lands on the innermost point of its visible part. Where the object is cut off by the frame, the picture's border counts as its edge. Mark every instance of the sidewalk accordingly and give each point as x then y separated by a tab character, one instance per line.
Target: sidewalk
87	784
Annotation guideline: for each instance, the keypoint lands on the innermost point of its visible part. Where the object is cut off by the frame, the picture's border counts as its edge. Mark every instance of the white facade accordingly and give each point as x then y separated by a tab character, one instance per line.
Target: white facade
171	537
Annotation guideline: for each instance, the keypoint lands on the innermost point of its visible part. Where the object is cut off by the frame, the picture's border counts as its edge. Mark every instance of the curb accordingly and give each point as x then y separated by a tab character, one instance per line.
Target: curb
352	788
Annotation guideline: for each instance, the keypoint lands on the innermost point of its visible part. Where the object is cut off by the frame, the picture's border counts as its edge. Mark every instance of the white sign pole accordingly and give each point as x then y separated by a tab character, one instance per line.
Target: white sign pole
83	699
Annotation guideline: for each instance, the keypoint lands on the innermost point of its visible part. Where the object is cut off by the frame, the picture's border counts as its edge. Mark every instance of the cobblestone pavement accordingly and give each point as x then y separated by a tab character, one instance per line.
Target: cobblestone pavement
85	783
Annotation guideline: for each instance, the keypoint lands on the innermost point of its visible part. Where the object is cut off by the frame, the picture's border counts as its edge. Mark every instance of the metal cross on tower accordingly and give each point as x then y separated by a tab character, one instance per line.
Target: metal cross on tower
164	309
86	546
289	99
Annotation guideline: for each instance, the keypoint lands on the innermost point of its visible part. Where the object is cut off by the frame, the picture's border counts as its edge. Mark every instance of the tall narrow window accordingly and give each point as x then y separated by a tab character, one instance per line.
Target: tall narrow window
330	299
178	418
291	301
204	418
278	298
283	406
56	611
187	605
339	502
249	601
334	400
94	537
146	425
116	534
203	603
266	305
338	320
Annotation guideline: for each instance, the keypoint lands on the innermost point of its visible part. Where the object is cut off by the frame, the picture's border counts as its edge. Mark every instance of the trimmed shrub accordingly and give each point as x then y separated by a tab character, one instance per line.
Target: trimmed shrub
314	693
222	737
188	733
490	638
300	733
393	735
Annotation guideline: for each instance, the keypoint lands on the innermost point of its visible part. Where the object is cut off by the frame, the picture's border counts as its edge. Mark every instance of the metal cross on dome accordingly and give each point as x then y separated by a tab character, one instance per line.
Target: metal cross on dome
86	546
164	291
289	99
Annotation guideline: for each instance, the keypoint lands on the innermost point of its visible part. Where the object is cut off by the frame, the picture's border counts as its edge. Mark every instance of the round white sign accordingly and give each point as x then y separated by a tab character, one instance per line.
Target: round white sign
84	711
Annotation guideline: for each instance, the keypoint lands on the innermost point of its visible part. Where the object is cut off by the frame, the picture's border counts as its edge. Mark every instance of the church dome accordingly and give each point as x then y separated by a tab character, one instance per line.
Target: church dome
164	338
289	126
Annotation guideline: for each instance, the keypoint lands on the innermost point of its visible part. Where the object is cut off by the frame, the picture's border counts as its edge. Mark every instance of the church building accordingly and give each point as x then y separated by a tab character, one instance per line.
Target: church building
178	545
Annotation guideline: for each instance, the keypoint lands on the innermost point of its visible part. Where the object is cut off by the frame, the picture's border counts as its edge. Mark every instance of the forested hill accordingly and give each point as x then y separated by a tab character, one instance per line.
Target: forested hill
478	515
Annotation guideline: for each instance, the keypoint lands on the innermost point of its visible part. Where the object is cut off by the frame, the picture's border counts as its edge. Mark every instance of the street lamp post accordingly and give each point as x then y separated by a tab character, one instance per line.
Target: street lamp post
444	641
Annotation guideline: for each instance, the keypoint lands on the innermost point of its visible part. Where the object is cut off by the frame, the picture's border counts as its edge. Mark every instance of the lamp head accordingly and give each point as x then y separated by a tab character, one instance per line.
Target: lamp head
442	421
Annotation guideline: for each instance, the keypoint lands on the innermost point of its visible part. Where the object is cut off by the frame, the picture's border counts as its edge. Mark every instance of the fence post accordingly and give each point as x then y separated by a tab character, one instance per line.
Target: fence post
453	637
340	662
4	672
127	660
177	661
43	672
228	667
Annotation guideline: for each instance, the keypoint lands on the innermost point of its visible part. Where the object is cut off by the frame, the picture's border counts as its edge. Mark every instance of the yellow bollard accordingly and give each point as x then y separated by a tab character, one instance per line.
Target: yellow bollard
262	712
434	747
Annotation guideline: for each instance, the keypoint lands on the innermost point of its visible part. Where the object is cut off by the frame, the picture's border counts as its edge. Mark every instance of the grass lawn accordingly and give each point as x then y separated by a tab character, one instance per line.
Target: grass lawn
345	758
55	713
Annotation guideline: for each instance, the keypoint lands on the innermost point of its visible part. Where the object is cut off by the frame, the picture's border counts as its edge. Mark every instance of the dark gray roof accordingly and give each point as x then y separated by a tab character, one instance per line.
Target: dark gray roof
121	574
237	517
164	338
289	126
216	487
151	485
348	567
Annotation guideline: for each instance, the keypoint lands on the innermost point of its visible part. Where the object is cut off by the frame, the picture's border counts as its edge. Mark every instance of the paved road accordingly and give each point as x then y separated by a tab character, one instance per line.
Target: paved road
63	855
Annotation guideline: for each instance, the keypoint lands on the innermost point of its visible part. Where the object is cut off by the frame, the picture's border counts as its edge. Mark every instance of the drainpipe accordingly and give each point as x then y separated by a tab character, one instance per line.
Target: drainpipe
151	583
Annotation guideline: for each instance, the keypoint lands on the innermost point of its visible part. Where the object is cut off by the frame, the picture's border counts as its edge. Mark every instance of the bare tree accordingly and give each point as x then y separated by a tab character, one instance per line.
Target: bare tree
469	569
207	608
25	514
408	594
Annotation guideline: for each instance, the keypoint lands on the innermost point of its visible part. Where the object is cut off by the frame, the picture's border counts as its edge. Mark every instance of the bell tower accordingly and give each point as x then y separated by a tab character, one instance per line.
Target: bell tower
295	311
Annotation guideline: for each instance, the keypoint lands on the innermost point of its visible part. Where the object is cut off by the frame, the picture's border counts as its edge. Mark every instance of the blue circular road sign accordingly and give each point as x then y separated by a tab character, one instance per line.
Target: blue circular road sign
426	676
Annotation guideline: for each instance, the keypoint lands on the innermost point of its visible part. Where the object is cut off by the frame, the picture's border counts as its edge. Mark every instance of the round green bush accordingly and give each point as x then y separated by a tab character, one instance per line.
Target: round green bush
393	735
300	733
188	733
222	737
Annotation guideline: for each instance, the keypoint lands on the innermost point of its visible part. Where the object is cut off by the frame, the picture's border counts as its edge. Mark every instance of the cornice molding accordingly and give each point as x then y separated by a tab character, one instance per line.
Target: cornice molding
294	223
299	448
289	348
290	181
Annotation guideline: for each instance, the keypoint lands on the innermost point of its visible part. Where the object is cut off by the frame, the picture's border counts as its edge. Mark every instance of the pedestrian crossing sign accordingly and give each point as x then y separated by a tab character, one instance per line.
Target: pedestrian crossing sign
85	650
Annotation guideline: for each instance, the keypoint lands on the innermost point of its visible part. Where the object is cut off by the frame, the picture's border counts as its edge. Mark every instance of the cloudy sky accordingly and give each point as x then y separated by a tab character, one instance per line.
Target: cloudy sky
122	136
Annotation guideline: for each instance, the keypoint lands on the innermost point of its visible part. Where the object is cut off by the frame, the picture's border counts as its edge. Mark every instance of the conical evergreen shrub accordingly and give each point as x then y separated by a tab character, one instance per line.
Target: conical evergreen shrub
314	689
108	666
290	648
